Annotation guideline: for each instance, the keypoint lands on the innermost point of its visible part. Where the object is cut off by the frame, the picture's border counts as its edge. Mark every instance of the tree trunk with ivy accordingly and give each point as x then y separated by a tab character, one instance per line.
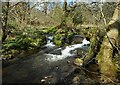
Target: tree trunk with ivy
109	44
106	48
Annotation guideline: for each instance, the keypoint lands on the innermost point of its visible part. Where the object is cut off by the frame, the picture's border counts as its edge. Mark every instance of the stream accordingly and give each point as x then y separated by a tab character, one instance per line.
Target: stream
52	64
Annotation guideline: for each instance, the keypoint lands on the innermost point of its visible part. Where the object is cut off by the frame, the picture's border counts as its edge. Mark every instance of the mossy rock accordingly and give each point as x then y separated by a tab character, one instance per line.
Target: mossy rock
69	36
58	42
78	62
63	37
58	39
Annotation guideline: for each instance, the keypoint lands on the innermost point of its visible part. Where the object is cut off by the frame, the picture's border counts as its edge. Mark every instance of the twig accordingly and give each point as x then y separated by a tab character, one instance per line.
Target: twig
98	74
90	71
113	44
14	5
101	11
92	13
109	79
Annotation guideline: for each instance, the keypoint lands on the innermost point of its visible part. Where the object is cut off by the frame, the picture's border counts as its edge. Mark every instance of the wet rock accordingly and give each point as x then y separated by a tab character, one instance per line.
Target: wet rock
63	39
77	70
57	52
45	77
78	62
68	61
49	79
77	39
81	52
58	39
43	80
76	80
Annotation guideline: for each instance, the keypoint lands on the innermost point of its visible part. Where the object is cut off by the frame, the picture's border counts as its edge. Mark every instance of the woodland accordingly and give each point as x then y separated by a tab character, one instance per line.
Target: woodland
26	27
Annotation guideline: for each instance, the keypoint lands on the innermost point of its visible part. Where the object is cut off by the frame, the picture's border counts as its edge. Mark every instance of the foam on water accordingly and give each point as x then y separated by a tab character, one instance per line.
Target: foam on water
66	51
49	43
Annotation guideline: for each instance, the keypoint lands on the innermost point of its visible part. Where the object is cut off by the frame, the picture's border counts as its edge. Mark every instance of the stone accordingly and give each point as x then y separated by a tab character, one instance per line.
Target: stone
77	39
43	80
76	79
78	62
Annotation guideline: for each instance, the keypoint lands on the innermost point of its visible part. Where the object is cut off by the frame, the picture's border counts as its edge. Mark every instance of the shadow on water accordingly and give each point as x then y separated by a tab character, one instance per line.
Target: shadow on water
34	70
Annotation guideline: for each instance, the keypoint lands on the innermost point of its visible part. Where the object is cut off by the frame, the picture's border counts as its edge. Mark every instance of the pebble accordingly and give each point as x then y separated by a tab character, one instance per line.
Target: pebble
68	61
43	80
45	77
76	79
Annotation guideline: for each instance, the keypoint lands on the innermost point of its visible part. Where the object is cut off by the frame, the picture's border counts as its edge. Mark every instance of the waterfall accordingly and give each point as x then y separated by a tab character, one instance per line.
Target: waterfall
49	42
66	52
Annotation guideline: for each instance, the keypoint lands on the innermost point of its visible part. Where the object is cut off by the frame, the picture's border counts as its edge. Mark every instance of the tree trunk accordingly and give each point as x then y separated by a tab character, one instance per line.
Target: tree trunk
63	20
105	51
4	28
45	7
105	55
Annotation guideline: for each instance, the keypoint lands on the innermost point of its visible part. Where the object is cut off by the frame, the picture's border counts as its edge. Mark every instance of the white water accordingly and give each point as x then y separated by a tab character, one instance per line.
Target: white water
66	51
49	43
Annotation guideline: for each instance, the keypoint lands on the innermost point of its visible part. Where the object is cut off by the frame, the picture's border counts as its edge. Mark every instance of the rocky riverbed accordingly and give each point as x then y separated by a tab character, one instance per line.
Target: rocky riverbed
51	65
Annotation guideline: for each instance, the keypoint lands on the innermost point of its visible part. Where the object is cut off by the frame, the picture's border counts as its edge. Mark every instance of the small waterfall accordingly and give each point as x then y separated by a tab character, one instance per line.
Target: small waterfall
49	42
66	52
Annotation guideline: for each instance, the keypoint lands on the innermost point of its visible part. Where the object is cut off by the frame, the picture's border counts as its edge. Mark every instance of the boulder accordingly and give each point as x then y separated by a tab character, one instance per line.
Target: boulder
77	39
78	62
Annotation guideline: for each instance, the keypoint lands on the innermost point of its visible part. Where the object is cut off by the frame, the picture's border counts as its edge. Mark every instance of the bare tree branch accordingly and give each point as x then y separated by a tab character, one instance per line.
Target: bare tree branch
14	5
101	11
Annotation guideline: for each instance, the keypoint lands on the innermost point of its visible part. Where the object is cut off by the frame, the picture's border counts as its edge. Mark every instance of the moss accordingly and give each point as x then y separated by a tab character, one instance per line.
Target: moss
91	49
58	39
49	30
100	54
105	62
58	42
96	38
69	37
63	37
